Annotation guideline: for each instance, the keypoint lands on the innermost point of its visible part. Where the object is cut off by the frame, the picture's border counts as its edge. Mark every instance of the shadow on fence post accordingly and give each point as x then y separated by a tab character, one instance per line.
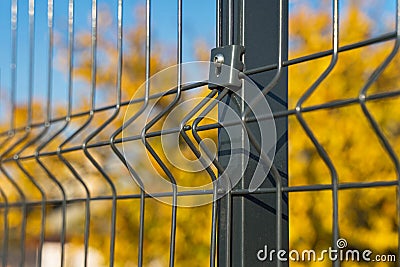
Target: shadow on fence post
247	221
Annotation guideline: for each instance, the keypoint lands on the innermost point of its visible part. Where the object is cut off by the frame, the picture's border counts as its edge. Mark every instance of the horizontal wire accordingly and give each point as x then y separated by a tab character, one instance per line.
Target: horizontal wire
379	39
290	112
329	105
186	87
234	192
344	102
317	187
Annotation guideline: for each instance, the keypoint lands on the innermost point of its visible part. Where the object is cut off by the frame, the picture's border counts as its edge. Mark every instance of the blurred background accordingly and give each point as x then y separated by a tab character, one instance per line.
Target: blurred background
368	217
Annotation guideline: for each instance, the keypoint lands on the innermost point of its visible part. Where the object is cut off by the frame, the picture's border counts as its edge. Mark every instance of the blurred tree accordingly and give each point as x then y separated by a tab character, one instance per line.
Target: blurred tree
367	217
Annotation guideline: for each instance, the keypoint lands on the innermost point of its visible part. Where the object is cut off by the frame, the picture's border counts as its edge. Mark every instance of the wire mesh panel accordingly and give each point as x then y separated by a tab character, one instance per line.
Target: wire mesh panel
123	144
68	197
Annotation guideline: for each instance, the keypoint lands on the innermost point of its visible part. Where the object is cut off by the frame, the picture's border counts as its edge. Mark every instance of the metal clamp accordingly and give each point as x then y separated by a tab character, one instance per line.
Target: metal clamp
226	64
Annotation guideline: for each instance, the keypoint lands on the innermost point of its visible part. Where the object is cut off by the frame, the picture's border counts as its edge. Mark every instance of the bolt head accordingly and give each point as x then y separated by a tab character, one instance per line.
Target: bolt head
219	59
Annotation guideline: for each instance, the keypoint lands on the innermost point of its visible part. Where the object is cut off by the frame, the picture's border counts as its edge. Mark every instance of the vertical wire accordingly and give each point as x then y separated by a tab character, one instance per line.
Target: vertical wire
215	201
119	52
320	149
242	134
23	221
148	51
14	14
5	215
5	228
274	170
243	22
31	12
278	73
30	97
90	137
11	131
221	171
209	170
147	89
218	31
230	22
70	55
107	121
50	18
158	117
4	248
14	19
253	140
119	70
374	124
335	189
50	22
93	57
275	174
131	120
75	174
50	26
47	122
179	81
197	137
228	195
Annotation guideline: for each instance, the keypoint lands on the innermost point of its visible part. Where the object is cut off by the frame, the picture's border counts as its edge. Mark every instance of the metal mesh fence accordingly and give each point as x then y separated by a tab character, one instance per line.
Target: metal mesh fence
81	164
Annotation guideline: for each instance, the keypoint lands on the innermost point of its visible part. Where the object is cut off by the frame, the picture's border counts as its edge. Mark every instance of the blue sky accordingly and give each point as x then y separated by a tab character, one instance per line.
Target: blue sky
164	18
198	24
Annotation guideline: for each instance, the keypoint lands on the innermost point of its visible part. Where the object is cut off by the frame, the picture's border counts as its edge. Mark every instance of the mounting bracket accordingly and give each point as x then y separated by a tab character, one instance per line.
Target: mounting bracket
226	64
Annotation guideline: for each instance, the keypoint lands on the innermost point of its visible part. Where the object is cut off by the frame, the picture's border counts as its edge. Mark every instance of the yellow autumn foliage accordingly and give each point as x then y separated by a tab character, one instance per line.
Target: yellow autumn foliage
367	217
